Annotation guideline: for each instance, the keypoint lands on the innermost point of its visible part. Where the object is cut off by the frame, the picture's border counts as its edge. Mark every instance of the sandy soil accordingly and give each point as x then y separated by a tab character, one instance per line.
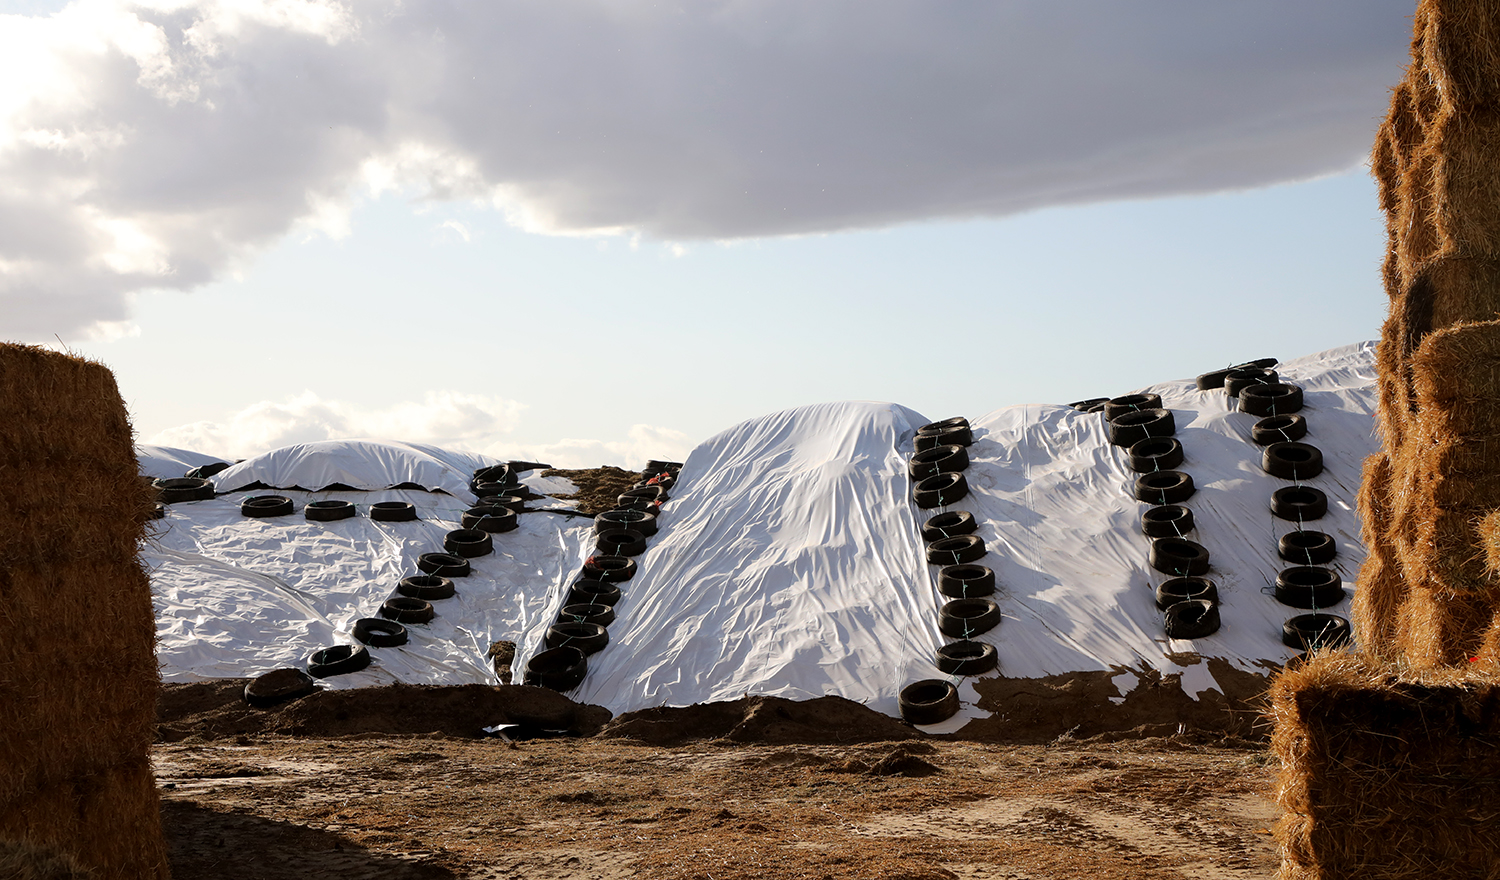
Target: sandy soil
270	806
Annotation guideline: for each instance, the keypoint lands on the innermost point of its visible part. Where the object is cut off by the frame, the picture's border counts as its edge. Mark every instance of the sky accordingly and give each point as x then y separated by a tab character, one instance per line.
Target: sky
592	232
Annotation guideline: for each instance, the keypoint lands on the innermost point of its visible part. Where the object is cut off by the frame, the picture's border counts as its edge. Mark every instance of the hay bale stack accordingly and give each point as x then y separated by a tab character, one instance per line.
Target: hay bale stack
77	630
1386	775
1427	593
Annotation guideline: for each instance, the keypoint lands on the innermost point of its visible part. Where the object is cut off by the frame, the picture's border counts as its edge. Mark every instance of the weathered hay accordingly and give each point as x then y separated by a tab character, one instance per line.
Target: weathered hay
77	631
20	860
1459	44
1381	588
1387	774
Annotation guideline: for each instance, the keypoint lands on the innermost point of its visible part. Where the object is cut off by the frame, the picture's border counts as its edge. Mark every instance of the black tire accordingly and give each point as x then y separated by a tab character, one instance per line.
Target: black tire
1299	503
1186	589
379	633
158	510
1096	408
590	638
483	489
1292	461
444	565
513	503
1119	406
938	460
1303	586
278	686
204	471
966	618
405	609
620	542
590	612
1167	521
175	489
1307	631
637	502
655	493
966	581
967	657
1155	454
939	491
1278	429
559	669
1164	487
1239	379
428	587
592	592
1193	619
489	519
954	551
393	511
928	701
614	569
1257	364
328	511
635	520
1090	405
267	506
496	473
1307	547
338	660
1270	400
1211	380
469	543
949	525
955	437
944	426
1178	557
1130	428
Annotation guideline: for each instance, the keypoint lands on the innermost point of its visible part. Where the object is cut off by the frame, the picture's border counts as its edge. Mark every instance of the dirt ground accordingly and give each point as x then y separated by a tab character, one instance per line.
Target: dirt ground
768	790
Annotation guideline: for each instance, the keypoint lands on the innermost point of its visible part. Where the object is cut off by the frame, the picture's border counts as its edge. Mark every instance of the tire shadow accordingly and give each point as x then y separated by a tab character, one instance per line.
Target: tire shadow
203	843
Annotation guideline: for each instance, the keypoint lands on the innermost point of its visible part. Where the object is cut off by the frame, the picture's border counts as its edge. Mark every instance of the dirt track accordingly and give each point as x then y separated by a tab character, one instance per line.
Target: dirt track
388	807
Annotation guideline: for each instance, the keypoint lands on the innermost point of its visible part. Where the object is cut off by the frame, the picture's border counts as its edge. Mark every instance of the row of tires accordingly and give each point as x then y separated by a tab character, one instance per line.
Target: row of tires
582	626
1189	604
1305	585
936	466
412	603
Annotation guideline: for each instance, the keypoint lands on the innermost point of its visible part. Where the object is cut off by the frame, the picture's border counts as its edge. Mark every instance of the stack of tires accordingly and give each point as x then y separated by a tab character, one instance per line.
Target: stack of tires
937	469
582	626
1281	430
1188	601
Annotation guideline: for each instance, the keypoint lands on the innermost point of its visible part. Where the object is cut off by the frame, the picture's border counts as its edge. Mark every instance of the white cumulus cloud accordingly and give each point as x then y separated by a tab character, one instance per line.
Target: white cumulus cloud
162	143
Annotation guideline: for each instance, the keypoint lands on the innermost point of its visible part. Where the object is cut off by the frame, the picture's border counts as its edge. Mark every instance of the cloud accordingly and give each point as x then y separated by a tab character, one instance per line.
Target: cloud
164	143
441	418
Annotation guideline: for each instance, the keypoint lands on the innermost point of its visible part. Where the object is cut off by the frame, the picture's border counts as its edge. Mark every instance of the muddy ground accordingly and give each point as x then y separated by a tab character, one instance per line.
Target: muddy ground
758	789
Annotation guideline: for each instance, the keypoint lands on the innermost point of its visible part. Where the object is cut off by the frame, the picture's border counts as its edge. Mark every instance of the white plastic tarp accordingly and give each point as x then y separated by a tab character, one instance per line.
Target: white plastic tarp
789	560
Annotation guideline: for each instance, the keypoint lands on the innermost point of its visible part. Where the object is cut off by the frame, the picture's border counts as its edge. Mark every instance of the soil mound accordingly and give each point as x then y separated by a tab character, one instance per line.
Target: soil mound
1091	705
213	709
762	720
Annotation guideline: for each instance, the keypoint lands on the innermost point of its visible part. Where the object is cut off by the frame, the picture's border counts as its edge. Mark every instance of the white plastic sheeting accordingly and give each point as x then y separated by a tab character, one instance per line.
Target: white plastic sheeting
789	560
169	461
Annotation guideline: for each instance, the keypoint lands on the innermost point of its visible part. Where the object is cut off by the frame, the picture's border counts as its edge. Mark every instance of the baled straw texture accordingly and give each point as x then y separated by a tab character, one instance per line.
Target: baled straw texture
1381	588
1386	774
77	630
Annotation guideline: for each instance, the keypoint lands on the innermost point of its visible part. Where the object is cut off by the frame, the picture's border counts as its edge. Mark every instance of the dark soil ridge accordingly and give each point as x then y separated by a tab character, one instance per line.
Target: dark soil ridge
1073	706
216	708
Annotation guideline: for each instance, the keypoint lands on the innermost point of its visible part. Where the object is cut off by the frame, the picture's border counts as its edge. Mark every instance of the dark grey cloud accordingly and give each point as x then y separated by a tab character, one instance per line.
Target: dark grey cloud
161	148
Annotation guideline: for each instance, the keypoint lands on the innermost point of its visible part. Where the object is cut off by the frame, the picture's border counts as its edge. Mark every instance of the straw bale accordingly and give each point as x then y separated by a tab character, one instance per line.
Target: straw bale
1393	383
1459	44
1381	586
1462	151
1443	628
1387	773
77	630
21	860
